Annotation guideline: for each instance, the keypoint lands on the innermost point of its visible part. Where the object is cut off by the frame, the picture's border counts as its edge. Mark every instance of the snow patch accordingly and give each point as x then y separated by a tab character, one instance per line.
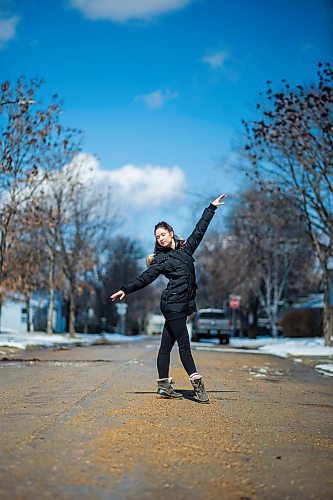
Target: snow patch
284	348
326	369
23	340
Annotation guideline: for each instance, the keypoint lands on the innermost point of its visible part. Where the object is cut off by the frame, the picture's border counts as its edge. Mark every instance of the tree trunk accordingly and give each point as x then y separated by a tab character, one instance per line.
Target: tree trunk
328	310
272	316
50	312
269	302
51	301
27	305
71	311
2	251
274	329
253	318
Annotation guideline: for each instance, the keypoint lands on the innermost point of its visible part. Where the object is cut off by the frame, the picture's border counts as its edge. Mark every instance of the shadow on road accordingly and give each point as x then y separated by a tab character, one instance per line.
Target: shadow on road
187	394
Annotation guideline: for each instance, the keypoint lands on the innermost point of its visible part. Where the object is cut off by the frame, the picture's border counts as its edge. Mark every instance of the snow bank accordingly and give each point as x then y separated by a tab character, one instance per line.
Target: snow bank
297	347
282	347
326	369
252	343
23	340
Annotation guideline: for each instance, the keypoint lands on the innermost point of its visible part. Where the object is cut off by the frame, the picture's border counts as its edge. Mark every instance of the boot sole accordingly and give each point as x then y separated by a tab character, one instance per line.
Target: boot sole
165	395
202	402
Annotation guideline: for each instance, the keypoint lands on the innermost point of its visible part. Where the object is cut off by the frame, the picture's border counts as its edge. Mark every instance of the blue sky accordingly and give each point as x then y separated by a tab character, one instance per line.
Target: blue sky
162	84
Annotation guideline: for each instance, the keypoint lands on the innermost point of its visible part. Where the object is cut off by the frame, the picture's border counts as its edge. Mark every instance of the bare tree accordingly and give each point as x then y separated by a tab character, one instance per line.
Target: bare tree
265	250
87	215
124	265
290	147
28	135
26	261
218	270
53	199
272	245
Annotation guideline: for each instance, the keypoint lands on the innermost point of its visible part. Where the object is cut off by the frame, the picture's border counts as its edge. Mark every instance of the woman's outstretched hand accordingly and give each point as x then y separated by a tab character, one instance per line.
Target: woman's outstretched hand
118	295
218	202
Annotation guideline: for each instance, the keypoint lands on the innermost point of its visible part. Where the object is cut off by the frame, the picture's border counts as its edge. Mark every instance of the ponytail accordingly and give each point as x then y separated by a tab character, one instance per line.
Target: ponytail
150	259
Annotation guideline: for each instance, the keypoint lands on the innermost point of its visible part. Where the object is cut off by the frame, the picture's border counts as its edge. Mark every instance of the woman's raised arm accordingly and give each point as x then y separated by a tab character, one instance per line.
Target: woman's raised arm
198	233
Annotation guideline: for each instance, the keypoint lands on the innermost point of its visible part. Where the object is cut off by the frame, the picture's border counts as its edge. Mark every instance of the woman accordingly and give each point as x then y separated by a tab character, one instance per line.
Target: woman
173	258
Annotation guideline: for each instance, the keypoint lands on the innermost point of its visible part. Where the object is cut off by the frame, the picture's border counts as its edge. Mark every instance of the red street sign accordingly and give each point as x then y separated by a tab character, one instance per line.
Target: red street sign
234	302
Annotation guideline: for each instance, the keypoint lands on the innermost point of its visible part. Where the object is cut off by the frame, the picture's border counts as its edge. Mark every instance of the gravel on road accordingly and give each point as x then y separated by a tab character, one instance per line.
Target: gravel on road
85	422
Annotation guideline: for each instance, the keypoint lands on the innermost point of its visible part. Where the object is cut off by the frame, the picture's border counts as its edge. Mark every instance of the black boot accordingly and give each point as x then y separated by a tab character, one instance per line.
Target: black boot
165	388
200	393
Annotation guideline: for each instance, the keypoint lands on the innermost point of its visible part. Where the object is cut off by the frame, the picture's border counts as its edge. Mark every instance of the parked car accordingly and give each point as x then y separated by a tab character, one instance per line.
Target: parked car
211	324
264	326
155	323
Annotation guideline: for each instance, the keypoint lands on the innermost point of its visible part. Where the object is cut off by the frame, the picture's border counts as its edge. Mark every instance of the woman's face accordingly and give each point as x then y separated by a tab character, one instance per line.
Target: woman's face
164	237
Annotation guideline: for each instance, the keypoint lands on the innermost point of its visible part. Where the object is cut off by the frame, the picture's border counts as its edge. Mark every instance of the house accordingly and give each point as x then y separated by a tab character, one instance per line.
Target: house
14	313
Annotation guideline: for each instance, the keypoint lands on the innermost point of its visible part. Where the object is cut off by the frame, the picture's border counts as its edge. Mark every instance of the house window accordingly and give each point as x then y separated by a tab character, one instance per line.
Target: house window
23	315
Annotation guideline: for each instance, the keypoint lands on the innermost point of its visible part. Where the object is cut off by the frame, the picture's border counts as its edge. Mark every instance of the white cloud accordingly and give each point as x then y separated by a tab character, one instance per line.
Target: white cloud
8	30
216	60
156	99
149	185
123	10
223	63
139	187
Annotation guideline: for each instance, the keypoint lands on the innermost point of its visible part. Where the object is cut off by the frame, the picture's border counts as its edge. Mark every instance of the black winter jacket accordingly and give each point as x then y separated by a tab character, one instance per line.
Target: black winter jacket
178	299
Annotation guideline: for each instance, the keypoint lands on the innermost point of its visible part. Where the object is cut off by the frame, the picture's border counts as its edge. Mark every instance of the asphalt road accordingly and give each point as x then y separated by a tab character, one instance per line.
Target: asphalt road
85	423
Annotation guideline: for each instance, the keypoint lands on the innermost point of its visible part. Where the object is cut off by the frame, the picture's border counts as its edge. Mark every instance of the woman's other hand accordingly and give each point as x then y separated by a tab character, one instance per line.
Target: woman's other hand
218	202
118	295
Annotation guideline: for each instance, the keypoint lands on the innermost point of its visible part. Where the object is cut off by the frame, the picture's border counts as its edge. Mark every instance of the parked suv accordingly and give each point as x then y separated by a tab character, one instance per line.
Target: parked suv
211	324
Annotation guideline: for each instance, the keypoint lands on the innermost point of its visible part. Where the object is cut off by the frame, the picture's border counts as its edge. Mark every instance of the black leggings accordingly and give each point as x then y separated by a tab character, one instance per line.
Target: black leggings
175	330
